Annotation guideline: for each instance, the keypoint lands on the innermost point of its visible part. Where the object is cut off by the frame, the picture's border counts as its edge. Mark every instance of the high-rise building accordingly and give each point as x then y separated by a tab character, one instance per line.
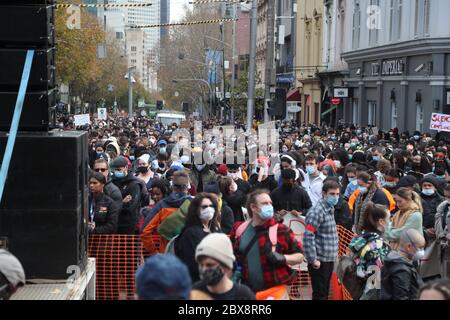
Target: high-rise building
135	43
164	16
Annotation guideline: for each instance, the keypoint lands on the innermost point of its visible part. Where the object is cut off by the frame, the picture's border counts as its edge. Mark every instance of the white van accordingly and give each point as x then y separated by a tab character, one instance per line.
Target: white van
168	117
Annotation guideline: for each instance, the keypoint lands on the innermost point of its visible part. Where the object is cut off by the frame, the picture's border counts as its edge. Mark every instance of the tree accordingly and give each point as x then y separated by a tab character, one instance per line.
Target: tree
239	96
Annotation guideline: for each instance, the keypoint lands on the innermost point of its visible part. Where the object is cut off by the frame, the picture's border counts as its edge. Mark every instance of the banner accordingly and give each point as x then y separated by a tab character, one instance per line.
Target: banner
102	114
82	119
440	122
214	63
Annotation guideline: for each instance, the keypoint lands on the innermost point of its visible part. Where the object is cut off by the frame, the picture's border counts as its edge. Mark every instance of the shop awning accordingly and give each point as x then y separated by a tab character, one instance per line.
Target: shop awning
293	96
329	111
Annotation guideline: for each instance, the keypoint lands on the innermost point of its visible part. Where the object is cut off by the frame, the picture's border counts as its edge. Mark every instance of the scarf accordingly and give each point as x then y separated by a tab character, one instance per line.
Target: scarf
361	207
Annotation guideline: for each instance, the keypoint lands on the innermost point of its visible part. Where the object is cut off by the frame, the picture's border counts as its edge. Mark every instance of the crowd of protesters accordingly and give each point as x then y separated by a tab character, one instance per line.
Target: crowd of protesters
223	226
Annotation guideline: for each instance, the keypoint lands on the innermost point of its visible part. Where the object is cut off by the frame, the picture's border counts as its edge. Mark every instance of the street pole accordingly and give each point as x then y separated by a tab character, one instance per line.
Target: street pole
233	72
222	38
252	65
269	55
130	94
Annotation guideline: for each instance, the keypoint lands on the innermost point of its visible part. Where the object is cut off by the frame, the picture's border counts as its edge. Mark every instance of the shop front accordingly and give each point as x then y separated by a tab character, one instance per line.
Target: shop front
398	86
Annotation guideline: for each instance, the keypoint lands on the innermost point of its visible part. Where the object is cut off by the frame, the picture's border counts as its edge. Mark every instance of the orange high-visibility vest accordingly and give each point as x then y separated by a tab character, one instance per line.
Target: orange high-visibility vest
354	196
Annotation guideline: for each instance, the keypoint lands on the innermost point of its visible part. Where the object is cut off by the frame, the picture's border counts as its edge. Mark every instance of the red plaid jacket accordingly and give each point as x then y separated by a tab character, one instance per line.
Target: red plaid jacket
287	244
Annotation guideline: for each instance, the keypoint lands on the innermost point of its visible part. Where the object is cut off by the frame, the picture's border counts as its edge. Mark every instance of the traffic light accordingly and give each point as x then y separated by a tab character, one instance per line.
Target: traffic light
159	104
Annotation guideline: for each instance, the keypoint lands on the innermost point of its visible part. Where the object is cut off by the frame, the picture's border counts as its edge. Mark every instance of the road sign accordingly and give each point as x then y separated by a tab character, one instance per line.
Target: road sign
340	92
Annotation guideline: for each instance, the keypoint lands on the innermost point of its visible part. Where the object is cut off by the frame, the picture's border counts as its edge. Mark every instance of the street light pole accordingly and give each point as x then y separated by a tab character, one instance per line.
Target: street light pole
130	92
252	66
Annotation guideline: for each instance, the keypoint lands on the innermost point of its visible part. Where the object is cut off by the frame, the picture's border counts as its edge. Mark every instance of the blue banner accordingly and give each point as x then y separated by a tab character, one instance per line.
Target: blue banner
214	62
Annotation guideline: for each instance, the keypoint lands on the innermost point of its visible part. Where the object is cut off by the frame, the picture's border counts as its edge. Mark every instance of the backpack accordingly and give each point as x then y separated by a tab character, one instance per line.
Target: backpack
170	247
346	273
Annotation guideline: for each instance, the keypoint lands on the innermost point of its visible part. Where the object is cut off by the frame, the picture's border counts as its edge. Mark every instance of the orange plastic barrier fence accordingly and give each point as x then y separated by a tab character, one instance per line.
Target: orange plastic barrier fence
118	257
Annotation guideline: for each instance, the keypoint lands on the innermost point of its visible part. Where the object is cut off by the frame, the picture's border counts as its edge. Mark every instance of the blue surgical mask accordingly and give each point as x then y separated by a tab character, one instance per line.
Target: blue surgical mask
376	158
311	169
350	157
428	192
390	184
416	138
132	158
363	190
162	150
119	174
332	200
358	132
353	181
266	212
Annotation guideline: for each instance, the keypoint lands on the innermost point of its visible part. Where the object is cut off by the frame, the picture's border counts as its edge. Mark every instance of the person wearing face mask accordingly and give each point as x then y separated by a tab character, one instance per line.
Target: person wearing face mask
131	195
290	197
201	175
409	216
399	277
203	218
321	240
143	171
368	191
215	259
430	201
265	249
261	179
234	197
370	249
349	182
312	179
162	146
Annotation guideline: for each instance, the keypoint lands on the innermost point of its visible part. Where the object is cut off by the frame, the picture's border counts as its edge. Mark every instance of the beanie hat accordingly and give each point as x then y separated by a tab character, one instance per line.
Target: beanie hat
217	246
145	158
407	181
11	268
177	166
163	277
119	162
430	179
222	169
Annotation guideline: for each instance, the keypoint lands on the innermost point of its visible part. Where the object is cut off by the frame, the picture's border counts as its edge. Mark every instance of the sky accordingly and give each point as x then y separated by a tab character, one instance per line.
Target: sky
176	9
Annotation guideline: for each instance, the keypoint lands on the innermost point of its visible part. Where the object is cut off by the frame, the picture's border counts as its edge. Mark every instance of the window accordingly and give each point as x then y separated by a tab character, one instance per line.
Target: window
355	112
119	35
419	117
356	24
394	114
395	20
373	32
372	108
133	48
422	19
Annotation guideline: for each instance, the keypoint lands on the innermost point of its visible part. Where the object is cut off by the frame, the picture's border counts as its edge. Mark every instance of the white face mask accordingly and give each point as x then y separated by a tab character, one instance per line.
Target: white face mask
234	187
207	214
419	255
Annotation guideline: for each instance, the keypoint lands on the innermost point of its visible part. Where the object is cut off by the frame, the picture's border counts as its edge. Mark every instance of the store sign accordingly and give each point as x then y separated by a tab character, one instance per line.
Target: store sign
340	92
293	108
285	79
388	68
440	122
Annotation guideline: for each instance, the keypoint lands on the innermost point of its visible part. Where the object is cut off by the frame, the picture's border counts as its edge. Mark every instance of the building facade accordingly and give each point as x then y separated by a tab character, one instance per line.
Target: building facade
398	63
135	51
308	62
261	42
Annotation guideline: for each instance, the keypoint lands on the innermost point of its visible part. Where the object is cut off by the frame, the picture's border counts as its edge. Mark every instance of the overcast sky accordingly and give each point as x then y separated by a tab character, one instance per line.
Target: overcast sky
176	9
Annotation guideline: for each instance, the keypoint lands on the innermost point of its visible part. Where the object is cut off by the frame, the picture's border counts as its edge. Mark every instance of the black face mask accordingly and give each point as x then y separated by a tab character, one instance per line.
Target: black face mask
143	170
211	276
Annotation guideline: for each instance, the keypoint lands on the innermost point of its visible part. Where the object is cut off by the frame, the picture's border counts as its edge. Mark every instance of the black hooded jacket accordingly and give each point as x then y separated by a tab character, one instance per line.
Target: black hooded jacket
399	278
129	214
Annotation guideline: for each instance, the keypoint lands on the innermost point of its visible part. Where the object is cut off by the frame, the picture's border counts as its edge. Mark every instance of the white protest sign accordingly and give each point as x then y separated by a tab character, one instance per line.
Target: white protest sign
82	119
102	114
440	122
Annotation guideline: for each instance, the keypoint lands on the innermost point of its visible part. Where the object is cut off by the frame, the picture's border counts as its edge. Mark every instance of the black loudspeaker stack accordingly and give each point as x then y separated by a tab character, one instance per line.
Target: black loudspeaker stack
277	107
27	25
43	213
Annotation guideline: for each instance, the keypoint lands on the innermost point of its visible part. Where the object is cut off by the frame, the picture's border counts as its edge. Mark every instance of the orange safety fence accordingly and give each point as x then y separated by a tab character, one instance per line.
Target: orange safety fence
118	257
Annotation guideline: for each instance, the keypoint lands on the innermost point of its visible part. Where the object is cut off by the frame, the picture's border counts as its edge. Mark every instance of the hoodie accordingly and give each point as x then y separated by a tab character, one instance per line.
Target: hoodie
399	278
174	200
129	214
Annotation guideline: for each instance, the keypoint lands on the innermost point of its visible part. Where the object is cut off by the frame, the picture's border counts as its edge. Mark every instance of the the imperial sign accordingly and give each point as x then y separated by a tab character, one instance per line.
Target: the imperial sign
389	68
